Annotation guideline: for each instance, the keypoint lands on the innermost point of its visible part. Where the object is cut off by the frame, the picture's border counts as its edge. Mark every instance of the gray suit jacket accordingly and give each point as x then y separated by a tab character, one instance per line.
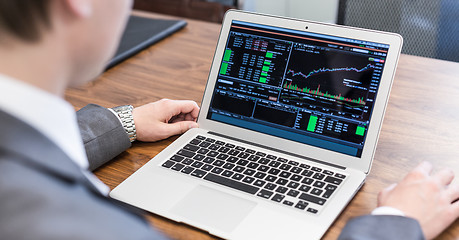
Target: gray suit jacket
44	194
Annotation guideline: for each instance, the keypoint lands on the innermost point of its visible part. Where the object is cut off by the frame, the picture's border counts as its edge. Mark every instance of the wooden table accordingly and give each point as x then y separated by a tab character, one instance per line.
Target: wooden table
421	122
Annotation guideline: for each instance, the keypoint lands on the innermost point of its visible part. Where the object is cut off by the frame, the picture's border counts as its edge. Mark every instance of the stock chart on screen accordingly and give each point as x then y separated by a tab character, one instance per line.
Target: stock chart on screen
310	88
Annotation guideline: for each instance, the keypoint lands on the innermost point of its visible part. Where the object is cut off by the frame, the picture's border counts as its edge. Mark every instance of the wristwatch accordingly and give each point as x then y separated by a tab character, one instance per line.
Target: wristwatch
124	113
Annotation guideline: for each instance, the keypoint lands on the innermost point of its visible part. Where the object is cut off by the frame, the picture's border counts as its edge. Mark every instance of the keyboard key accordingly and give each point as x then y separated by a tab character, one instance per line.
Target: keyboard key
270	186
205	144
274	171
330	187
272	157
222	156
210	140
328	172
312	210
278	198
232	159
198	173
307	173
305	166
296	170
293	163
253	165
312	199
185	153
259	183
301	205
263	168
274	164
199	157
195	141
220	142
250	151
263	161
227	173
178	167
293	185
288	203
177	158
285	174
229	145
319	184
283	160
285	167
307	181
296	178
239	169
230	183
318	176
253	158
217	170
201	137
282	181
209	160
224	149
228	166
270	178
316	169
190	147
333	180
187	161
238	176
242	162
248	179
304	188
265	194
168	164
218	163
261	154
187	170
197	164
233	152
260	175
293	193
207	167
316	191
243	155
249	172
212	154
281	189
338	175
240	148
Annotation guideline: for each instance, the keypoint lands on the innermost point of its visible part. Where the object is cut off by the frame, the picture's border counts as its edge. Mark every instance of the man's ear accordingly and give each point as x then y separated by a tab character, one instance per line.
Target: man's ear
79	8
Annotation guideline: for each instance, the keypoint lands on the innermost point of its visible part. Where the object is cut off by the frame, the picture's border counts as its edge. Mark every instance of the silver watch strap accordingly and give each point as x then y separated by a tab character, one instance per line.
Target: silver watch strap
125	115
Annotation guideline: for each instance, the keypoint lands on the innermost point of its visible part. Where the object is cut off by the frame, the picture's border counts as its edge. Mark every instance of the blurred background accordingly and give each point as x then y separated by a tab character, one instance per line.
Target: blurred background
430	28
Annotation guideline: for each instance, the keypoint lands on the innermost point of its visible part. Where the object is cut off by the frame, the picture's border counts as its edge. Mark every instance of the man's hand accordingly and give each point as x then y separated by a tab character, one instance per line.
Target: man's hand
164	118
430	199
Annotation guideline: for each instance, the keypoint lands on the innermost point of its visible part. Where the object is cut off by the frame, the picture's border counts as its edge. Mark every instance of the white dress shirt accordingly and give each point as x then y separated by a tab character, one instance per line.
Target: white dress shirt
50	115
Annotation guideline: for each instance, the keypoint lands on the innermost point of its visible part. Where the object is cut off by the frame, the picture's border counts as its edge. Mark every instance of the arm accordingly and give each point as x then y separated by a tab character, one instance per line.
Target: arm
104	137
429	203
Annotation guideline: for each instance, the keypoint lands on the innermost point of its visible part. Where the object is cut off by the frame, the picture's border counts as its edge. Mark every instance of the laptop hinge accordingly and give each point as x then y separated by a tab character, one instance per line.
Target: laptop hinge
277	150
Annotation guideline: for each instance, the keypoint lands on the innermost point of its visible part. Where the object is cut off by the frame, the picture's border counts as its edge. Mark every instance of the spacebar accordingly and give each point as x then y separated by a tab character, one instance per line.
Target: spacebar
231	183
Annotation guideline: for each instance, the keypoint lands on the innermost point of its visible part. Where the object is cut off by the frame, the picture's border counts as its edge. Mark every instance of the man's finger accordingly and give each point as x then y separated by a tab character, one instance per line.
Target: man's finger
424	167
184	107
444	177
179	127
453	192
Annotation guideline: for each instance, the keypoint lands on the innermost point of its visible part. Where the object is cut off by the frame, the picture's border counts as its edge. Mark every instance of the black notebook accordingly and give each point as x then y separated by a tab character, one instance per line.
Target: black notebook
142	32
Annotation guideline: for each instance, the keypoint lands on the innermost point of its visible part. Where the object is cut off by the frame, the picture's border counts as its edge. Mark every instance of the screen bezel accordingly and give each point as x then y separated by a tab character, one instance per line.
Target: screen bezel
362	163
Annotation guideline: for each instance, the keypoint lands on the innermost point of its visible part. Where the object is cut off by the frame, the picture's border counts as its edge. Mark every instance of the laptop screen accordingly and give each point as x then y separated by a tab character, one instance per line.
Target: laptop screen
306	87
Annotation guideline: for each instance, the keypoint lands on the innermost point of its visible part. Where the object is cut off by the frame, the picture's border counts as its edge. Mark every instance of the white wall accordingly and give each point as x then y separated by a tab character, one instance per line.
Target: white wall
317	10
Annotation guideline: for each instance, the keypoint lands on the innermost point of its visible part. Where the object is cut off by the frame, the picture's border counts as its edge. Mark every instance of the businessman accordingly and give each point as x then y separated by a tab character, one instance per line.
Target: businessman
47	151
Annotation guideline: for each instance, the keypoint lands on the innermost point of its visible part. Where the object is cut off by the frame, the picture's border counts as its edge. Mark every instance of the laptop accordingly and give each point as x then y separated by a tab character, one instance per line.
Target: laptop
289	124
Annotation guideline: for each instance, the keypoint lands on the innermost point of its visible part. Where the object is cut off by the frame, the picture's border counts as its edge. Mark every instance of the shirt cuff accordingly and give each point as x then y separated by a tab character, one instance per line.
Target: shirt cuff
387	211
114	113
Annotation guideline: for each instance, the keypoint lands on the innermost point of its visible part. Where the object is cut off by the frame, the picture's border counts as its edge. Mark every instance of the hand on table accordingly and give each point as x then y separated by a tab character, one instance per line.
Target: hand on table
164	118
430	199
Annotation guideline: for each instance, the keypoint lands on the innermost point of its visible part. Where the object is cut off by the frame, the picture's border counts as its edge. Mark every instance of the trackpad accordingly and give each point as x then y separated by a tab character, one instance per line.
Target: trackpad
213	208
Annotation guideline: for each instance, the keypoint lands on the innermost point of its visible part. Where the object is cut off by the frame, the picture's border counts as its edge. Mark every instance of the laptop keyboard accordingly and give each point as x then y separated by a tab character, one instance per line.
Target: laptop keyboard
290	183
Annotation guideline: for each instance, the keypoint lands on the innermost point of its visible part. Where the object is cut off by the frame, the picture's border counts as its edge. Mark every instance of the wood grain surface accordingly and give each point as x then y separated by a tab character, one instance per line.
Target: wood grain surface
421	121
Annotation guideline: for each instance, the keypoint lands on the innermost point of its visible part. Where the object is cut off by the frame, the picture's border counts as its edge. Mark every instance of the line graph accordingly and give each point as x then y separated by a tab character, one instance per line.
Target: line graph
317	92
324	70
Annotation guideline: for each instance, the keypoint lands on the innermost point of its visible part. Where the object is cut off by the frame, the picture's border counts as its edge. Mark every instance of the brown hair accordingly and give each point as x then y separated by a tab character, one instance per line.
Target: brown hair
24	18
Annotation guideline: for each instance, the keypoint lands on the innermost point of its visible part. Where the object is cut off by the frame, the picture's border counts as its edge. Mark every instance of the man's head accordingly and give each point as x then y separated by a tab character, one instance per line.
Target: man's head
78	37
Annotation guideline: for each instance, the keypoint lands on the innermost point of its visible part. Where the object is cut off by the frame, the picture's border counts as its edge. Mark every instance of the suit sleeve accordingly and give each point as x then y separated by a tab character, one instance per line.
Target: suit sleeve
103	135
379	227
